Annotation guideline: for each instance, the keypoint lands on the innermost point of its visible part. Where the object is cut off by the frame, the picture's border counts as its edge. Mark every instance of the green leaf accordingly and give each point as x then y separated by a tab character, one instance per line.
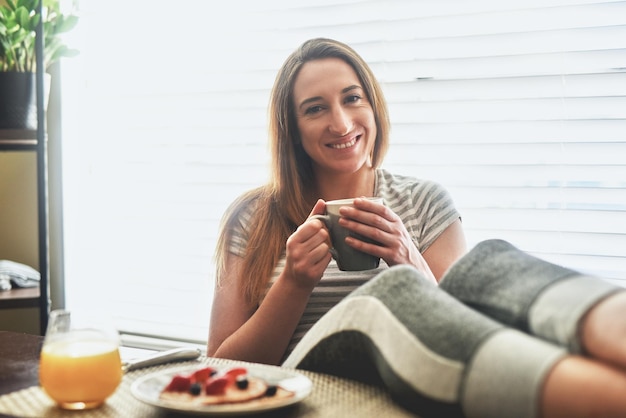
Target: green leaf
18	24
29	4
66	24
34	22
11	4
23	17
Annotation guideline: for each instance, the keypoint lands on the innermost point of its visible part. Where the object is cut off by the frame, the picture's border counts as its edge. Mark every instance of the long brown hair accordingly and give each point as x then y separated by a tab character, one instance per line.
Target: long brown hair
286	200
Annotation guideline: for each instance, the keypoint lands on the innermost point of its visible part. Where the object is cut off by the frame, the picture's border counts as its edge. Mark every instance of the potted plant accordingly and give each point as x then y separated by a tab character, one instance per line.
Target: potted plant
18	24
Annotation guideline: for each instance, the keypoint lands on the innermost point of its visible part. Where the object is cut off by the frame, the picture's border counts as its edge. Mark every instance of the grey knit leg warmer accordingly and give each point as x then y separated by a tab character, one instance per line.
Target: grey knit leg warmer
436	356
525	292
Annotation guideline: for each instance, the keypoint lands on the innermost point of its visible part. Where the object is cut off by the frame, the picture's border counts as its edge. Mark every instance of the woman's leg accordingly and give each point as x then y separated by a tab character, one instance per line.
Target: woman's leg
584	314
437	356
603	331
581	387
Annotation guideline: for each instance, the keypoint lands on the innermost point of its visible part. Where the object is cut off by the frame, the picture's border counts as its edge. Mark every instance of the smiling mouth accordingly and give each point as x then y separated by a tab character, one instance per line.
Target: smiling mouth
345	144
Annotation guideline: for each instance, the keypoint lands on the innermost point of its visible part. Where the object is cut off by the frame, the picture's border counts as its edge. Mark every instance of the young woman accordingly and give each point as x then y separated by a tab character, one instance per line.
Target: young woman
279	295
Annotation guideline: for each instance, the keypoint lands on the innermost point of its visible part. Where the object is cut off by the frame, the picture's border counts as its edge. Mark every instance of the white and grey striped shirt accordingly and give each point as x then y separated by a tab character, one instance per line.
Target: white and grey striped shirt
426	209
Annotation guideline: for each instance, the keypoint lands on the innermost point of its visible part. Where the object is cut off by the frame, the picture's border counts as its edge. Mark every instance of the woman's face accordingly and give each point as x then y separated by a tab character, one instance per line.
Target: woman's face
335	119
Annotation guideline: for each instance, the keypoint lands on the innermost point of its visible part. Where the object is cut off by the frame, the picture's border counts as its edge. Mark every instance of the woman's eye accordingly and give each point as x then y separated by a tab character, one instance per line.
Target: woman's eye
313	110
353	98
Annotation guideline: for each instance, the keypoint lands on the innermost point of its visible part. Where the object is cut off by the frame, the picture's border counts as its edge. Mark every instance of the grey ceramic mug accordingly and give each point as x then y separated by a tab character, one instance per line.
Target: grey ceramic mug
348	258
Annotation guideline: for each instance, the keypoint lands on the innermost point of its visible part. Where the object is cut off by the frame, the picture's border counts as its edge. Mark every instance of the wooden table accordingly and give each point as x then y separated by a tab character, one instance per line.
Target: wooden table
19	361
20	394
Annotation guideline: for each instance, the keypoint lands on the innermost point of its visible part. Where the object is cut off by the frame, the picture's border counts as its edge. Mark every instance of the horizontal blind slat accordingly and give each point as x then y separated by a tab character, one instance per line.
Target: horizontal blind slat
509	88
562	131
513	110
521	65
530	154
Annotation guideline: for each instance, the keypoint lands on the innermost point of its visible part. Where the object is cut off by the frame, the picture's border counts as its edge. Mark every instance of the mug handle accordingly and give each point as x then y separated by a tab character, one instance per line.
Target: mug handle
323	218
326	220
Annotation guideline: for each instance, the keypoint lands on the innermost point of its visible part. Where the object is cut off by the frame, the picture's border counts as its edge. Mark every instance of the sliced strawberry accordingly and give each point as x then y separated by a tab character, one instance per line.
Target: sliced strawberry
202	375
216	386
233	373
179	383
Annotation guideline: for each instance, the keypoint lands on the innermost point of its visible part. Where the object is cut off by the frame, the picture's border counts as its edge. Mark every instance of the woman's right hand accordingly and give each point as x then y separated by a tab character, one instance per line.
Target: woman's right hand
307	250
241	329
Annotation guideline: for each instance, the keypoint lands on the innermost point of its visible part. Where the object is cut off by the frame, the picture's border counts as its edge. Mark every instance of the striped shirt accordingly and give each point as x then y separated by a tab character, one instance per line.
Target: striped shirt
426	209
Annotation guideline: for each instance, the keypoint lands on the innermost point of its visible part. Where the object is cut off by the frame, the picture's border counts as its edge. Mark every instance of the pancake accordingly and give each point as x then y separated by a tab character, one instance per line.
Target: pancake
221	388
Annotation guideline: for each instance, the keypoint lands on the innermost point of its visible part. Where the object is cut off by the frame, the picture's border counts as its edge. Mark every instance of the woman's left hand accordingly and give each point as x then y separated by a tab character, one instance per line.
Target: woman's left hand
377	222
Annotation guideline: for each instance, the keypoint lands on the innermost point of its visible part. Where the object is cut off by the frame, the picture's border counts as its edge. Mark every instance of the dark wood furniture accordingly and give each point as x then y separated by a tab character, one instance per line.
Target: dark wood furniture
36	141
19	361
27	141
19	298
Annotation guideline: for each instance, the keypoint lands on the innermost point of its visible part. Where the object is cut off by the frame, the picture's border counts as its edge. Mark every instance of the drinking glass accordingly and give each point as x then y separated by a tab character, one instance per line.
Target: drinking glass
80	365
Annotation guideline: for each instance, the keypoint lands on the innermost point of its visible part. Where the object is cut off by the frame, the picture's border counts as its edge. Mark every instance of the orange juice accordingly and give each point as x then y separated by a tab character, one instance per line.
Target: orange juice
80	373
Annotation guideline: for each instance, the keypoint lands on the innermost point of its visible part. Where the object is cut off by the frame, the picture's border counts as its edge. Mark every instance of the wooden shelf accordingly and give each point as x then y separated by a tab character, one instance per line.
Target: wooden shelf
19	298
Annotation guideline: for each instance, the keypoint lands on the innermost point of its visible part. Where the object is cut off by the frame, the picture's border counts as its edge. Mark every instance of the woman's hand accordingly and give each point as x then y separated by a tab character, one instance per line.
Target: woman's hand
261	333
308	250
380	224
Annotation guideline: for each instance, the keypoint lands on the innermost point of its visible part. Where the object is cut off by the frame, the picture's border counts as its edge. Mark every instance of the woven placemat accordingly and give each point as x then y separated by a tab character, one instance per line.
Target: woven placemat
331	397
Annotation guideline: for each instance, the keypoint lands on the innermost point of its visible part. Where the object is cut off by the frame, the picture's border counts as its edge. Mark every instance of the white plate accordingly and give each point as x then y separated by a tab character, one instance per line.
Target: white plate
148	388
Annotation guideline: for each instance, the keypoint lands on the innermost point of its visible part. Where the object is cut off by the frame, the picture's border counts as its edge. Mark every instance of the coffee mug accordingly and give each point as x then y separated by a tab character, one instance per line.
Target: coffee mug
348	258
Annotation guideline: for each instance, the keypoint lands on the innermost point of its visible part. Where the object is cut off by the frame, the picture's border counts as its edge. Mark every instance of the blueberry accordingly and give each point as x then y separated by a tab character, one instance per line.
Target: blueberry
195	389
271	390
242	382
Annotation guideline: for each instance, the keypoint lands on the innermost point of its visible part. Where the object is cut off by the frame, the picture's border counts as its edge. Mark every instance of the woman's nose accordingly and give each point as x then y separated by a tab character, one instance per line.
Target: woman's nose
340	122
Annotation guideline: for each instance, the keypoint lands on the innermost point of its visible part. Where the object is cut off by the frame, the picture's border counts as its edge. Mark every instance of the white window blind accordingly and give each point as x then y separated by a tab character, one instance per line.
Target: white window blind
517	107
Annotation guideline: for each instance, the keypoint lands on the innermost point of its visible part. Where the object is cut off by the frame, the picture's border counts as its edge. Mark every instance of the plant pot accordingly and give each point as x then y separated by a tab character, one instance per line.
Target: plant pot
18	100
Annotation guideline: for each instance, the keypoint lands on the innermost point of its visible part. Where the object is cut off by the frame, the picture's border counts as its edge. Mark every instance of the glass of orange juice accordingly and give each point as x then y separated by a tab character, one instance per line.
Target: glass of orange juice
80	365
